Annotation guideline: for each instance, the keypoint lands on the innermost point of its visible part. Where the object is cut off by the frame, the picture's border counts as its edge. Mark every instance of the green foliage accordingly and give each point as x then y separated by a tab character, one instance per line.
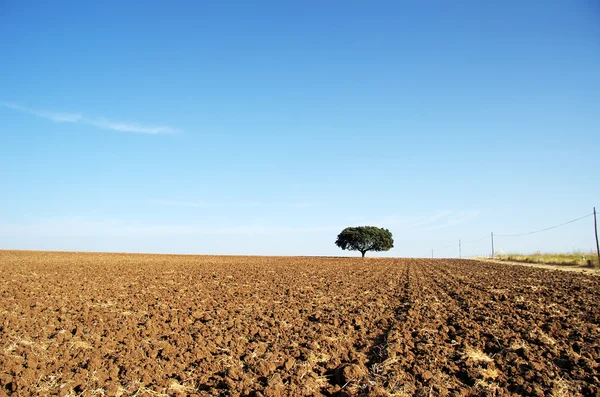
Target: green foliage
365	238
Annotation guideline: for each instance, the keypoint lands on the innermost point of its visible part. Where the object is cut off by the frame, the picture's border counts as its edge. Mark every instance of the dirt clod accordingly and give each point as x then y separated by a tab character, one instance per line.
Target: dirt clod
123	325
348	373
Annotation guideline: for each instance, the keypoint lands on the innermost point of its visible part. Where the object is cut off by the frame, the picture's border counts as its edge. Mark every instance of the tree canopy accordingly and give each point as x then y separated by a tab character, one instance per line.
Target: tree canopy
365	238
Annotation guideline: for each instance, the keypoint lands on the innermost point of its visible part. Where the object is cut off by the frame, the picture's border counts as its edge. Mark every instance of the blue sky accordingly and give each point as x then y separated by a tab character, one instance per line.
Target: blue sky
267	127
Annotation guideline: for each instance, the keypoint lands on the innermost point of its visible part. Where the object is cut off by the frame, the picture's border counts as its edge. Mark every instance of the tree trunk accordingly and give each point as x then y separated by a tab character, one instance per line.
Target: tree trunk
363	253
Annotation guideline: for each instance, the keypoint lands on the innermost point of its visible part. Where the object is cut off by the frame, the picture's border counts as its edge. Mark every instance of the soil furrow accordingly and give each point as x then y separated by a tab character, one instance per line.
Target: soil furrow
121	324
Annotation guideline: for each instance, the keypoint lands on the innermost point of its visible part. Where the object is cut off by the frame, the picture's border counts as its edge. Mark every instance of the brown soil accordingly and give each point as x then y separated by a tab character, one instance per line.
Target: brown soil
118	324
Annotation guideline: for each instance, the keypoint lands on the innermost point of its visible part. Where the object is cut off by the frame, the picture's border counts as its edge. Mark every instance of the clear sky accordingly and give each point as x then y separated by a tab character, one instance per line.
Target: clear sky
267	127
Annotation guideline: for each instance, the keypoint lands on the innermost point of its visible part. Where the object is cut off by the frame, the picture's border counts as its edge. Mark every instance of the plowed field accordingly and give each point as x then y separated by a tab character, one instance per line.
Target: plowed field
116	324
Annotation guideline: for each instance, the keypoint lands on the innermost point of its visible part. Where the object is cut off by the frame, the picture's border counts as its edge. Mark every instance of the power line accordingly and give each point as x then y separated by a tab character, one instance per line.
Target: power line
468	241
542	230
479	239
490	236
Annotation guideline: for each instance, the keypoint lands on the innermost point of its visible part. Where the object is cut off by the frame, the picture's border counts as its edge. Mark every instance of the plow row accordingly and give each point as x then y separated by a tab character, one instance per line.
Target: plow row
117	324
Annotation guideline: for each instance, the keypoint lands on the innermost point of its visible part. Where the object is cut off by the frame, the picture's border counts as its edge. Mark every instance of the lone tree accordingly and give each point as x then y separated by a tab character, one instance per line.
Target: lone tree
365	238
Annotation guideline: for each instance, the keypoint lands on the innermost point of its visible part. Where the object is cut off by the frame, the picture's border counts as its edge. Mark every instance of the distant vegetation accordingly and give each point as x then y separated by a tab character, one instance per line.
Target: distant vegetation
576	258
364	239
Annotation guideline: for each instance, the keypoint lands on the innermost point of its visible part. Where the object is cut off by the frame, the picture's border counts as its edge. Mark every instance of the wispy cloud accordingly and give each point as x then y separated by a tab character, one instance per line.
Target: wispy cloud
244	204
454	219
178	203
98	122
436	220
84	226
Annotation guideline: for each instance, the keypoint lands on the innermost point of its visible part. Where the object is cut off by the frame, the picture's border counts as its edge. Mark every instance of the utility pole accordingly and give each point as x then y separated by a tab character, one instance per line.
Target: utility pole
459	250
492	236
596	233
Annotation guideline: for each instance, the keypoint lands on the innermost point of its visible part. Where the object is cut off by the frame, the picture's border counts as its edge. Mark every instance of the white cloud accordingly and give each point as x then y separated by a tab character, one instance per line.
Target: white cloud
83	226
98	122
130	127
245	204
454	219
177	203
436	220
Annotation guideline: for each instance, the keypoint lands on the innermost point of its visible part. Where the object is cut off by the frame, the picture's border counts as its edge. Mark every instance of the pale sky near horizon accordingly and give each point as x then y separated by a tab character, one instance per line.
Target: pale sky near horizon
267	127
